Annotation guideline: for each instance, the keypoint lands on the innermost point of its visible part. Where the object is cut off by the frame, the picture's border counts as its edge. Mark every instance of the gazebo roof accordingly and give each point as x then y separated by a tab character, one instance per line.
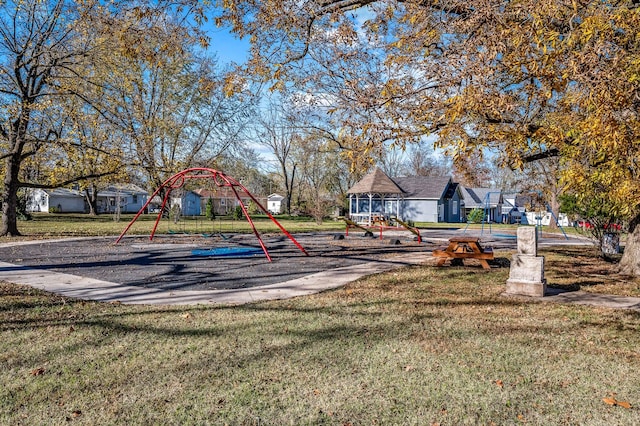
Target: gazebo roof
376	182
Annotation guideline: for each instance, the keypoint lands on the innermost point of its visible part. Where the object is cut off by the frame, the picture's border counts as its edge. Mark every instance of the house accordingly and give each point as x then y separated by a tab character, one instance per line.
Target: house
487	199
414	198
189	203
224	199
430	199
274	203
125	198
513	207
59	200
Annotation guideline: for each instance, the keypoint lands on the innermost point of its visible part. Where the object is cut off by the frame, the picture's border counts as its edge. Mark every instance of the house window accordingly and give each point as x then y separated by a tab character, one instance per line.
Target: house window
455	207
134	199
222	202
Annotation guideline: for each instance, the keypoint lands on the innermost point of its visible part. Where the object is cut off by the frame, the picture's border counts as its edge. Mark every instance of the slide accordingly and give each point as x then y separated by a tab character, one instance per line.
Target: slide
349	222
410	228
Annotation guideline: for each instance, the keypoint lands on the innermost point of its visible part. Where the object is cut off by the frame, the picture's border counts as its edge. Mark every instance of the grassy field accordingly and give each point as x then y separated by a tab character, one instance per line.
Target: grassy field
417	346
53	225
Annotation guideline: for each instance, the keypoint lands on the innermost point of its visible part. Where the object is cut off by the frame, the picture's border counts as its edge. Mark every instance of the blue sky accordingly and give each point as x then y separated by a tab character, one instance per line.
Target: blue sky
227	46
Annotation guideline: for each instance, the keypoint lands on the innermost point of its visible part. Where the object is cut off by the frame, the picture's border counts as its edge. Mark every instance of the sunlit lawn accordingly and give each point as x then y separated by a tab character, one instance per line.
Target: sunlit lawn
418	346
45	225
52	225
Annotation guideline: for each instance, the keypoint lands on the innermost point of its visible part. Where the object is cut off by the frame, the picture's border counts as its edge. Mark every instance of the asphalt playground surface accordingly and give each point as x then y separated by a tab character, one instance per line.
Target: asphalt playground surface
204	263
232	268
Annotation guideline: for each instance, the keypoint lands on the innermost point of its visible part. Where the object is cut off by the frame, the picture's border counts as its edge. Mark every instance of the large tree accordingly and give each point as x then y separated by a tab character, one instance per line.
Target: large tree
38	45
528	78
54	57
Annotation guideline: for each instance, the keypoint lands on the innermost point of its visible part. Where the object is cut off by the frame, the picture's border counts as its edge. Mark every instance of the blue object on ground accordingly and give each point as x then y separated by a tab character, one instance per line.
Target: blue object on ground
228	252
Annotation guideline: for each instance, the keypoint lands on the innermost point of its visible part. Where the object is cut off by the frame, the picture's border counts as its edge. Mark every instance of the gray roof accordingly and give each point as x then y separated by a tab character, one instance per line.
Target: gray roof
63	192
416	187
423	187
477	197
376	182
120	189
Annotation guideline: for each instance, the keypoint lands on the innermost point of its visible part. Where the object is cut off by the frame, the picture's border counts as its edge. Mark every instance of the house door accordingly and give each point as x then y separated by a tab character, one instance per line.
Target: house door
390	208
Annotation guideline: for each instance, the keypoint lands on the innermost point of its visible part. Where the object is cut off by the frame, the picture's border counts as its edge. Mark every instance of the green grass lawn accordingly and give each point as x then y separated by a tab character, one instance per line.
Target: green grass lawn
53	225
417	346
45	225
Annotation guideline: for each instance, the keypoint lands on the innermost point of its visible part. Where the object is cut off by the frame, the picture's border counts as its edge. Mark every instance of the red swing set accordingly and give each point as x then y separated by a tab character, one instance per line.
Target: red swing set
220	180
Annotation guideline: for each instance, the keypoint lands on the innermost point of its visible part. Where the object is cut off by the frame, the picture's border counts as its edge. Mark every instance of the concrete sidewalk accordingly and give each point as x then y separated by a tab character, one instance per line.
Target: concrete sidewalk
592	299
105	291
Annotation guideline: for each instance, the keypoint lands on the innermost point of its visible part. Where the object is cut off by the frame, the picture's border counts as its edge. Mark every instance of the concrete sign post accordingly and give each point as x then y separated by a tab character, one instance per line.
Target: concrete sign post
526	276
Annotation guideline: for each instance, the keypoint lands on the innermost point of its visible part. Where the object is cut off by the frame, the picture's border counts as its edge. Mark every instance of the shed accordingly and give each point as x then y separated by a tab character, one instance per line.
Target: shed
274	203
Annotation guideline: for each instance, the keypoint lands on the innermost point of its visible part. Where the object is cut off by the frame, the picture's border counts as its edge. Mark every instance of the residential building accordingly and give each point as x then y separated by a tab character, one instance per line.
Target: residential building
489	200
414	198
58	200
274	203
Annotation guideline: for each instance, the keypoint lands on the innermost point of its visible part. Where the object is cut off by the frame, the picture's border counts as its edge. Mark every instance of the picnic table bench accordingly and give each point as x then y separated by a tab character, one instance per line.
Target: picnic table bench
464	248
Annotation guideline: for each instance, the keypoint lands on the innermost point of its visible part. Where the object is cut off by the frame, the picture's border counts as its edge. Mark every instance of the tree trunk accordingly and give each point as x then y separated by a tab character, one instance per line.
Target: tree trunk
91	195
630	262
10	197
554	204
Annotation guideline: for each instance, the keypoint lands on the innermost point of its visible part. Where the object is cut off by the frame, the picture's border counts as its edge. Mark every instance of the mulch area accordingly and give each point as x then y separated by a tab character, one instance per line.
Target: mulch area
169	262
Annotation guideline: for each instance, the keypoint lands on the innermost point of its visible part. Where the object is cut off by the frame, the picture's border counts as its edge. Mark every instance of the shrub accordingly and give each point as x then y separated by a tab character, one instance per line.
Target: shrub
475	216
237	213
209	211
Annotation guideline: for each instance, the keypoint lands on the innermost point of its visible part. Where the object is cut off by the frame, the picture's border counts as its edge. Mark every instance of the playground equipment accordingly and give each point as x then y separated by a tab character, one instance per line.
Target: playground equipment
381	224
487	208
220	180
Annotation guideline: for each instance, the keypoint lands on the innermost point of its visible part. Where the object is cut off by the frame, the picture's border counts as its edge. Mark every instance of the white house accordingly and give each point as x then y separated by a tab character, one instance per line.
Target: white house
129	197
59	200
544	218
274	203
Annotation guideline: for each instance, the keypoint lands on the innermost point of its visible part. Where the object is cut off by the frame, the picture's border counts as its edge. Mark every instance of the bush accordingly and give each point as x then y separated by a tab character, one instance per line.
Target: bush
475	216
209	211
237	213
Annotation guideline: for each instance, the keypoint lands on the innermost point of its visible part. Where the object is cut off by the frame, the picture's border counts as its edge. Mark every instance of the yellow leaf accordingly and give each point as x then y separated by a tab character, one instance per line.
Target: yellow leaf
623	404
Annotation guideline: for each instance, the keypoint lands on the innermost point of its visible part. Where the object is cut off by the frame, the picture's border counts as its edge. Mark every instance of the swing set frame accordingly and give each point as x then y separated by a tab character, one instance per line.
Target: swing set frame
220	180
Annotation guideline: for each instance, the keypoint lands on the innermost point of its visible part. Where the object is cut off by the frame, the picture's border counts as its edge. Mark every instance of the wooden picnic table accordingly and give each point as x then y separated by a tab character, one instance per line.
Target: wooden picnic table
464	248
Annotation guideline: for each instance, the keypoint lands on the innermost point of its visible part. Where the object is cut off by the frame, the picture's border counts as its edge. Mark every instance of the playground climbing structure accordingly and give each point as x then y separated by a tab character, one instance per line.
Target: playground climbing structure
220	180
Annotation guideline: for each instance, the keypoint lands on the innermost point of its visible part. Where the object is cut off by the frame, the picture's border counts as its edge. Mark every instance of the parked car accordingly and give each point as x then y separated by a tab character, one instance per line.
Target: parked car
613	227
584	224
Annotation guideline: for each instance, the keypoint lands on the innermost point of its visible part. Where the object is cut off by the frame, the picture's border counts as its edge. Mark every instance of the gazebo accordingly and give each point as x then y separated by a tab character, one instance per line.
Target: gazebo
375	197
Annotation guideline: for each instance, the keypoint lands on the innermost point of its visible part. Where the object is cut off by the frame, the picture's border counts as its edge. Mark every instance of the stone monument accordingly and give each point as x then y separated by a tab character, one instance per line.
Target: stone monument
526	276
